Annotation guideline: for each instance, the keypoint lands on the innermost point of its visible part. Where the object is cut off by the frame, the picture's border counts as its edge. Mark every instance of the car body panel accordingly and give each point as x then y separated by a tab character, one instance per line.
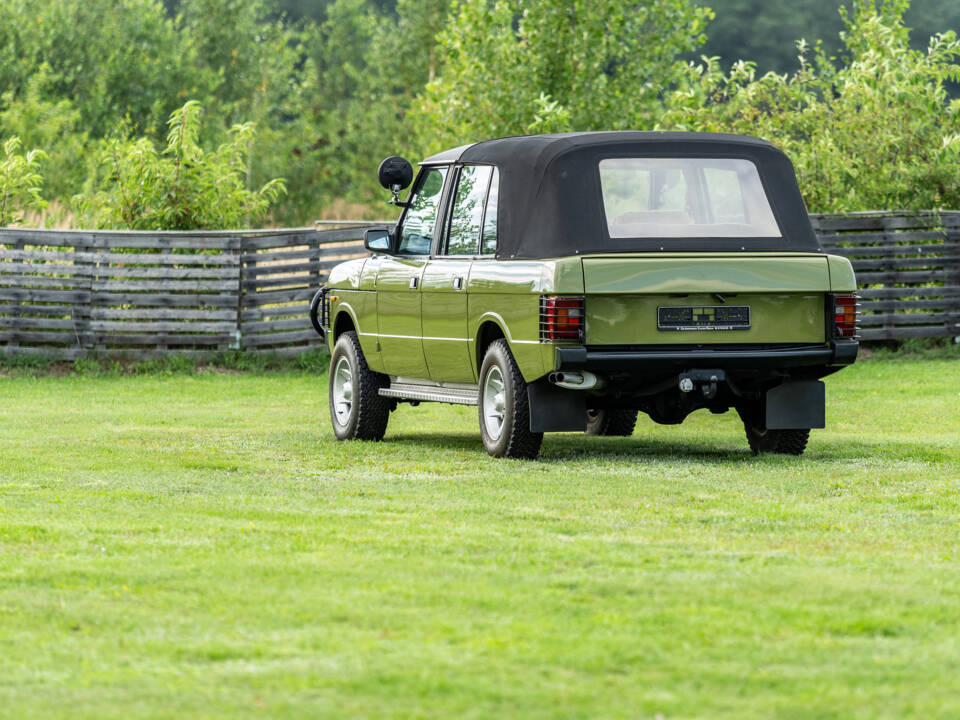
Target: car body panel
633	274
446	342
398	316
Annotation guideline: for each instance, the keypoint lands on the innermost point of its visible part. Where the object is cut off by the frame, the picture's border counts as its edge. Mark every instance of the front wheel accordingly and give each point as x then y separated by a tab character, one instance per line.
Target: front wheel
503	407
357	411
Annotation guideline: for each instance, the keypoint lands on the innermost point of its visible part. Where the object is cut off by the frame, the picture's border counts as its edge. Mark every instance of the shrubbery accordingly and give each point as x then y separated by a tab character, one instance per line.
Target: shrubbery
873	131
92	83
182	187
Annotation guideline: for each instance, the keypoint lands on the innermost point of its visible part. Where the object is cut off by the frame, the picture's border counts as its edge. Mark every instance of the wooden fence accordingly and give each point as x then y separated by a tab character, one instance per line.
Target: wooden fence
908	270
68	293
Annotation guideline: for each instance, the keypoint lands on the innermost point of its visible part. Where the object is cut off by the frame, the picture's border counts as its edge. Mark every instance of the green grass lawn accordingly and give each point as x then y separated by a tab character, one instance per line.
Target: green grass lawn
200	546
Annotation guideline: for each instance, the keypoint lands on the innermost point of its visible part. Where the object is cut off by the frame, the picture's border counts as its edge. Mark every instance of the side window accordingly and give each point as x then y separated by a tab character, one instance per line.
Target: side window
488	244
467	216
416	235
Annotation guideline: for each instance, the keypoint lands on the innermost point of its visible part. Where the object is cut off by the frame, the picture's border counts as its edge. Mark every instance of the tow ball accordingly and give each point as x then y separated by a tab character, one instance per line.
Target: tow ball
706	380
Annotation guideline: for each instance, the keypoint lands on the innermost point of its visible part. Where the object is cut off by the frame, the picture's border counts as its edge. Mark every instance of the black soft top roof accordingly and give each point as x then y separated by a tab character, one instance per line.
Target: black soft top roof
551	203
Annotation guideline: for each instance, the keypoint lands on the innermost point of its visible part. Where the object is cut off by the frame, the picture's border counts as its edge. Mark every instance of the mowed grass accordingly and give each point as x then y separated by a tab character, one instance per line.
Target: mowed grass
200	546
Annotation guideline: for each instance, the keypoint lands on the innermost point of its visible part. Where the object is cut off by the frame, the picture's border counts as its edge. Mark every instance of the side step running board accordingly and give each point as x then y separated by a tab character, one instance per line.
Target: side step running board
429	393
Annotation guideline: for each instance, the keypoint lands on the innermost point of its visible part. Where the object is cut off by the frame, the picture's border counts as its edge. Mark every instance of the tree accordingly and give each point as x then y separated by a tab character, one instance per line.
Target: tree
518	66
874	131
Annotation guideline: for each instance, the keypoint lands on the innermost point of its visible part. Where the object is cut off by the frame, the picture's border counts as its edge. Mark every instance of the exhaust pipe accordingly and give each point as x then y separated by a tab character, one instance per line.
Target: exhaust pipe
576	380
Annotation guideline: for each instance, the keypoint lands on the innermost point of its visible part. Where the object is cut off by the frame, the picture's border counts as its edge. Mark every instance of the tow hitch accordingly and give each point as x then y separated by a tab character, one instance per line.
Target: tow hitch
706	380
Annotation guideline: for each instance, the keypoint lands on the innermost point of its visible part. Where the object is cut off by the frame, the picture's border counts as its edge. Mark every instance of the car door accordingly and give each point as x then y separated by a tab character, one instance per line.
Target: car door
400	275
446	345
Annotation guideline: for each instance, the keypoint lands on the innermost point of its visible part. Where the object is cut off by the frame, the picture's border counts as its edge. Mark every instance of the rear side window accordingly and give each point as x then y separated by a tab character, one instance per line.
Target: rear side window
473	219
488	244
420	221
467	217
685	198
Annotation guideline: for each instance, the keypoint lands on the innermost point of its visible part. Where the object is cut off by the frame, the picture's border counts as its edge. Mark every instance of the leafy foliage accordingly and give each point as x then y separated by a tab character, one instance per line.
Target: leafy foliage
518	66
182	187
20	182
875	131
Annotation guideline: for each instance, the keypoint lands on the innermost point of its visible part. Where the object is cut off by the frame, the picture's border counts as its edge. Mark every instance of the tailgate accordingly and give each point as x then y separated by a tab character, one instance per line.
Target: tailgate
697	300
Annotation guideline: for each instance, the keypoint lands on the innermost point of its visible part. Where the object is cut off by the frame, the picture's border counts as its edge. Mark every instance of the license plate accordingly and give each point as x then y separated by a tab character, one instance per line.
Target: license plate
704	317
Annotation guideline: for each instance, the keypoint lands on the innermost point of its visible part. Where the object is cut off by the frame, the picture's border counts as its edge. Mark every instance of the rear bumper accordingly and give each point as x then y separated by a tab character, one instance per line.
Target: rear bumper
610	360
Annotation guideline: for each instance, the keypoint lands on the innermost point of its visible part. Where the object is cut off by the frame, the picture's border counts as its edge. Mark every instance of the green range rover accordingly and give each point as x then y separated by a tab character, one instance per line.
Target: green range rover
563	283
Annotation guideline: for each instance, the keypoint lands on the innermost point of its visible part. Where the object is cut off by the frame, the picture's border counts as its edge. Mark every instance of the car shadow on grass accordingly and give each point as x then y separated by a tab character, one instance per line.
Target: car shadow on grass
559	448
563	448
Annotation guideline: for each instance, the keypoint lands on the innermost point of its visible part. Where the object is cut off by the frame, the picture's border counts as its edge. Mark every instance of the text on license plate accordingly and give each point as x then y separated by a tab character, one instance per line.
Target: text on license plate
704	317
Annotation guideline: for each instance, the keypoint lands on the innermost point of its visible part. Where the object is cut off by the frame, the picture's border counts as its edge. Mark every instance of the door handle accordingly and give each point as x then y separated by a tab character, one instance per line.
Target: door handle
413	282
458	283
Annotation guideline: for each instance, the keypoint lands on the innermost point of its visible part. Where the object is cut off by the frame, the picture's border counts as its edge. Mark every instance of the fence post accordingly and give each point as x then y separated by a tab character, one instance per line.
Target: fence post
237	343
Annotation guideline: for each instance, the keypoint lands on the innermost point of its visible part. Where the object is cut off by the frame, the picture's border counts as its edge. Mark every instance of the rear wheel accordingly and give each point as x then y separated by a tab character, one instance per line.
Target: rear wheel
783	442
612	423
357	411
503	408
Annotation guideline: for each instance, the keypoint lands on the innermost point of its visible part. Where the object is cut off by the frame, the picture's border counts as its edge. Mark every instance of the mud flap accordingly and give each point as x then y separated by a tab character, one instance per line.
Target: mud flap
796	406
554	409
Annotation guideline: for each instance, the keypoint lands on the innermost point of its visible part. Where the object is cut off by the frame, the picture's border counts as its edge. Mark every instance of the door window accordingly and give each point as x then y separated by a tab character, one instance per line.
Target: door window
420	221
488	244
467	217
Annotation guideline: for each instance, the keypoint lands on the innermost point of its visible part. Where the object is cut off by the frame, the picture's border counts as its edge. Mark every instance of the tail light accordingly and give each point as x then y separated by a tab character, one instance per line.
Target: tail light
845	315
561	318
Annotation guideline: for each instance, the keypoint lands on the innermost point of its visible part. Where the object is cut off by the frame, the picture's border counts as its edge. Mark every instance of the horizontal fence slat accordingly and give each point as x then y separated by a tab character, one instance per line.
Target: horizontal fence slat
910	292
166	300
881	251
255	314
280	338
901	263
895	318
27	281
915	237
171	285
277	297
41	323
36	295
905	333
299	323
114	313
161	326
348	251
65	337
163	339
43	309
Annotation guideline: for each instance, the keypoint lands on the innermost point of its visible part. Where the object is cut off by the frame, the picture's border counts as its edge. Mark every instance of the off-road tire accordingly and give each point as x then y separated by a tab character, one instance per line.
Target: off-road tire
369	413
783	442
612	423
515	439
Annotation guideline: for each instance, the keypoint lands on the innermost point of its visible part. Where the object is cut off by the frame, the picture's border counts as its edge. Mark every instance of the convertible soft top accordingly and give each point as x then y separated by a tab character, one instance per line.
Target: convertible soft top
552	204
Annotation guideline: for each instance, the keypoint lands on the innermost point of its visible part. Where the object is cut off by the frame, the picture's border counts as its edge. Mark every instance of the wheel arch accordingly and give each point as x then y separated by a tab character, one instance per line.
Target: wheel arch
345	320
490	328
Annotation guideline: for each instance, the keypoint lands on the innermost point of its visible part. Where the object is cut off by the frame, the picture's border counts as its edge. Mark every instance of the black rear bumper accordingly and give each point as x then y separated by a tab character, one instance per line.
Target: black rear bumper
612	360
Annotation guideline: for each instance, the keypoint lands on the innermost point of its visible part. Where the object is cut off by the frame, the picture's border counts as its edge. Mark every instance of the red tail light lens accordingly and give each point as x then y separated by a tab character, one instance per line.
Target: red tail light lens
845	316
561	318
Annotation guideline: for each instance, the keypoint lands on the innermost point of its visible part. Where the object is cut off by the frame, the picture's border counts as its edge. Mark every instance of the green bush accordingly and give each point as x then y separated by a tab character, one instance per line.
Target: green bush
20	182
182	187
875	130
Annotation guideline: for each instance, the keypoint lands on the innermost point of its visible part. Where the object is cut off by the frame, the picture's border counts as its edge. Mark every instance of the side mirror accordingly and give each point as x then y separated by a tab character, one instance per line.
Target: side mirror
395	174
376	240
